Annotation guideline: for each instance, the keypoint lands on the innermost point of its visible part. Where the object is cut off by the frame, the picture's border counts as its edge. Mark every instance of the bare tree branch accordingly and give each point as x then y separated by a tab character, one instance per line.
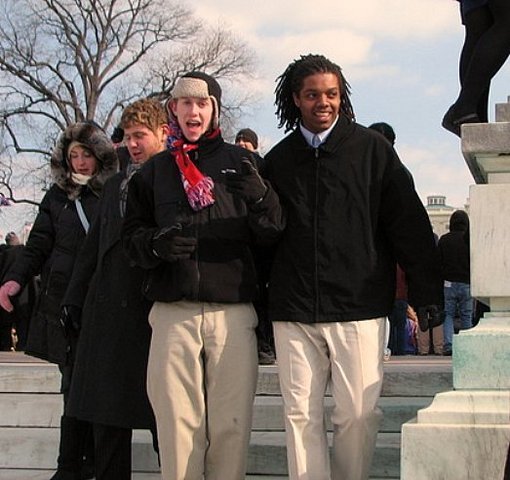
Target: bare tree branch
64	61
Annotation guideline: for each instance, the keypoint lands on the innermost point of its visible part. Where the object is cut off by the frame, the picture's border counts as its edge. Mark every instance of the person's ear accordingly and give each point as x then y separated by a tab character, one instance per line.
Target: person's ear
173	107
297	102
164	131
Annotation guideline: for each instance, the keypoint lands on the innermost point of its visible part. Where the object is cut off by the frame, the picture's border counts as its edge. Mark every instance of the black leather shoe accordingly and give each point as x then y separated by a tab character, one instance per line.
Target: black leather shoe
452	122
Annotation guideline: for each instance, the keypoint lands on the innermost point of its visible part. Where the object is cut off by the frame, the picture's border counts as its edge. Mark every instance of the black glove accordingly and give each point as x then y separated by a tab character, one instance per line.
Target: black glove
430	316
171	245
248	184
70	319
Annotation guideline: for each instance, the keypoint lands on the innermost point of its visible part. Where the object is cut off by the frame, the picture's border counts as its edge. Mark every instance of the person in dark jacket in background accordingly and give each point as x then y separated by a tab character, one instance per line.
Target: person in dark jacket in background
110	374
82	160
249	140
193	214
455	266
351	213
14	325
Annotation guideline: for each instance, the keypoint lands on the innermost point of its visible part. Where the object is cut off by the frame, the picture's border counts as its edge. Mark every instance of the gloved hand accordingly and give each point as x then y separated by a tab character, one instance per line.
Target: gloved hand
429	316
248	184
170	245
70	319
7	290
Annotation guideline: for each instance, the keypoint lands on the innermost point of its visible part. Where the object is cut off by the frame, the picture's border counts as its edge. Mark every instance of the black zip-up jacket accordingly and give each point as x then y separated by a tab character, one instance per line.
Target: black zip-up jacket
352	214
222	268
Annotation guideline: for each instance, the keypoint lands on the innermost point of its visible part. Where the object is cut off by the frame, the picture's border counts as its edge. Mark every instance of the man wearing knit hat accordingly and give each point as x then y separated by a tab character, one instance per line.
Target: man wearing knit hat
194	213
248	139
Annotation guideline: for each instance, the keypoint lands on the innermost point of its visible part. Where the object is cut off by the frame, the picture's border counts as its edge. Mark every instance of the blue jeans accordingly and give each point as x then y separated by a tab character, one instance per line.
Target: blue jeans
457	301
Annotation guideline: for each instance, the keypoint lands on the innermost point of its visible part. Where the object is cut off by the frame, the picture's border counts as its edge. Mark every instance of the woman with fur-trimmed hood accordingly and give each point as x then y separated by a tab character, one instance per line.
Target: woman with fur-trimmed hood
82	160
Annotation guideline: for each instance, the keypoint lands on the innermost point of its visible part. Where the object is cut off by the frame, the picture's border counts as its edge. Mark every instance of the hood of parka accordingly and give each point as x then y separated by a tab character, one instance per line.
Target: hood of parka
96	140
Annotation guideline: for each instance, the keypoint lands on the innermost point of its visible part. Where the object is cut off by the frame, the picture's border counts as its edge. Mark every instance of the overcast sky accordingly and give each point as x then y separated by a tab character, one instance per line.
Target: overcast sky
400	57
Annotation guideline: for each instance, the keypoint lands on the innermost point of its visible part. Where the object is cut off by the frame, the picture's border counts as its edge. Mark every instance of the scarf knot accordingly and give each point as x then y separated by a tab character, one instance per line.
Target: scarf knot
199	188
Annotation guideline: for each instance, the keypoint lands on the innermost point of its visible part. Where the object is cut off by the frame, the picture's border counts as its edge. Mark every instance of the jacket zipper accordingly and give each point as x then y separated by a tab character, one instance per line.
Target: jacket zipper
316	238
195	231
197	265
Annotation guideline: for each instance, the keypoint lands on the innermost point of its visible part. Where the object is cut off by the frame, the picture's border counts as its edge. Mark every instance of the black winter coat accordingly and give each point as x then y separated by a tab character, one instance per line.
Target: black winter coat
108	385
222	267
352	213
56	238
51	250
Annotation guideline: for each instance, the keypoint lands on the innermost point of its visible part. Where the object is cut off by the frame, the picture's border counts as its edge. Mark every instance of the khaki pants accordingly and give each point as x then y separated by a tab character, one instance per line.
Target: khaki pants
201	381
350	356
423	341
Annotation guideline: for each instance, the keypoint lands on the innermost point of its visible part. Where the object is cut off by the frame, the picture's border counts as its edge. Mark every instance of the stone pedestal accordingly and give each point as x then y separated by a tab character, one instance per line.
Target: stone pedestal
465	434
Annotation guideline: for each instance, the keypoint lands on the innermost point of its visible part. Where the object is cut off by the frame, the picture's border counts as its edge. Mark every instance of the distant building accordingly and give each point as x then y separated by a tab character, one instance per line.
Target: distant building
439	213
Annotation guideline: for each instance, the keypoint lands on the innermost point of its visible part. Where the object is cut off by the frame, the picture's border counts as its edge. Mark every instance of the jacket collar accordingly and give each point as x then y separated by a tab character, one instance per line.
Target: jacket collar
341	132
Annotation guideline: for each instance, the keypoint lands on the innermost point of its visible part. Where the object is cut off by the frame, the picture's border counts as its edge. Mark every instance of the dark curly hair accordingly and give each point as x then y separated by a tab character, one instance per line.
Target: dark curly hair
291	82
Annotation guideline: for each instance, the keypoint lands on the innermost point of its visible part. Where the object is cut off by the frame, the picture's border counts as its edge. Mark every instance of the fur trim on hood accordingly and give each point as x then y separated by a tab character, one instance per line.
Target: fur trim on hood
92	137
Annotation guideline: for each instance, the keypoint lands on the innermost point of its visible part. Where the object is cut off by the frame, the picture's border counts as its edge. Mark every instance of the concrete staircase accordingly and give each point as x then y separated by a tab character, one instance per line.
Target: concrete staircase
30	409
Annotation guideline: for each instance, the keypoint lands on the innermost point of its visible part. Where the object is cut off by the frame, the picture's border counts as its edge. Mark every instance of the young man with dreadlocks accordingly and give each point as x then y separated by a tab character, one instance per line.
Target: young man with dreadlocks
194	213
352	213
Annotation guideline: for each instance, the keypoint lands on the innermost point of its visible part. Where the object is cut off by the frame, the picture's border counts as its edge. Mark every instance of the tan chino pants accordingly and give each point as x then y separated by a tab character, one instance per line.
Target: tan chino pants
202	376
349	355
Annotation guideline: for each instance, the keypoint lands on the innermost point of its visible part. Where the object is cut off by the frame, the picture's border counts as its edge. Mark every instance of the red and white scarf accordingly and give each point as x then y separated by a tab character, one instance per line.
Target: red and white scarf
199	188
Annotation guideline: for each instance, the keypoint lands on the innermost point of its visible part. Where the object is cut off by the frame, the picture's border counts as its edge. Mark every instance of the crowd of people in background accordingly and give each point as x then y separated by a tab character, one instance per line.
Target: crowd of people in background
203	259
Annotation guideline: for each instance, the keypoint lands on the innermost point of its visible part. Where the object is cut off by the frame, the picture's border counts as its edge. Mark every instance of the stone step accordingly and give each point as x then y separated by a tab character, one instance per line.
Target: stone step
406	376
30	410
46	474
36	410
268	454
36	448
29	378
26	474
268	412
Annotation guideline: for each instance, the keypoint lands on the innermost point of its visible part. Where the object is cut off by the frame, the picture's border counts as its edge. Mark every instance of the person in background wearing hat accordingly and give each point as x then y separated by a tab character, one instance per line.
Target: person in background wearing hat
248	139
193	215
81	161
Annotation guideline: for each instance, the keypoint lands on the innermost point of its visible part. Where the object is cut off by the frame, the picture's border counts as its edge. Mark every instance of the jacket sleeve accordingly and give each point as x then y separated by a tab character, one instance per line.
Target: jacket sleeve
407	226
266	218
139	225
38	248
84	267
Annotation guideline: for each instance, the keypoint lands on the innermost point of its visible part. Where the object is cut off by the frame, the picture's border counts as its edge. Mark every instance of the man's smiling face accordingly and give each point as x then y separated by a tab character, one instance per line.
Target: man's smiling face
319	101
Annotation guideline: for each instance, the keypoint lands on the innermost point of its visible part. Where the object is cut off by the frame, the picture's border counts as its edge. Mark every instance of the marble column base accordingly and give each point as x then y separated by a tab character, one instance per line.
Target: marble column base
461	436
481	355
453	452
